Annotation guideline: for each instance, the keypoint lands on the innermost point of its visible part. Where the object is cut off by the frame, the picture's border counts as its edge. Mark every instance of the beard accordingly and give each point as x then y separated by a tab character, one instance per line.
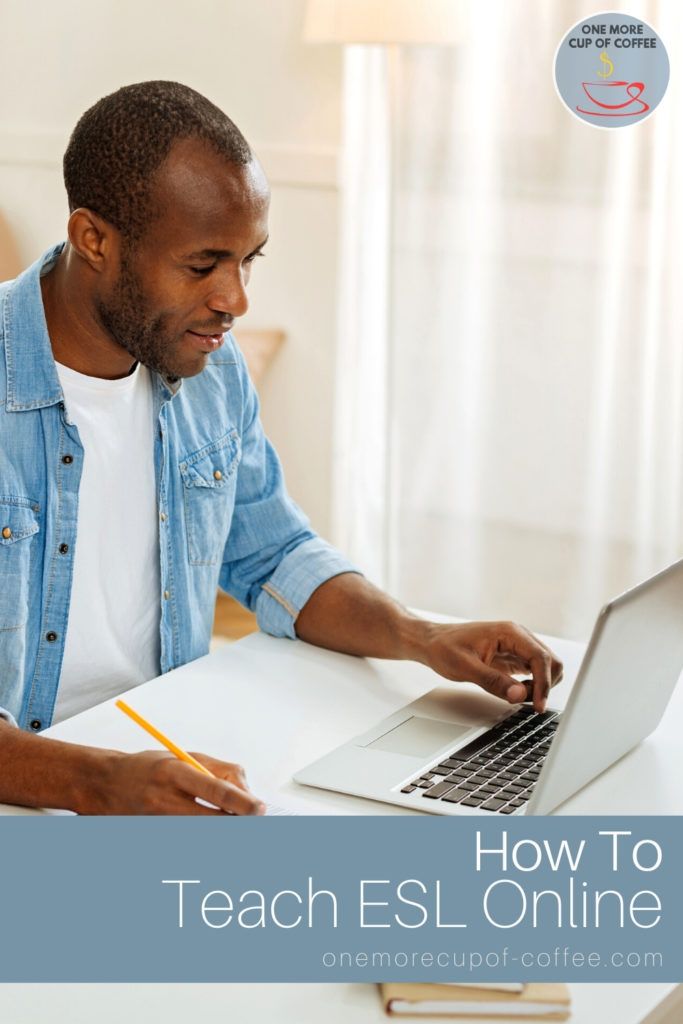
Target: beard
146	336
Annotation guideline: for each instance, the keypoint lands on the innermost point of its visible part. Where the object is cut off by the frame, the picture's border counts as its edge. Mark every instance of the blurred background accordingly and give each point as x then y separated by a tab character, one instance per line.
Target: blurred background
479	395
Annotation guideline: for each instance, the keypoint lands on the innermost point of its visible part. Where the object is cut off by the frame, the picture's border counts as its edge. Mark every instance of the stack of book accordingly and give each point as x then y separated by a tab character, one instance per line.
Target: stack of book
482	1002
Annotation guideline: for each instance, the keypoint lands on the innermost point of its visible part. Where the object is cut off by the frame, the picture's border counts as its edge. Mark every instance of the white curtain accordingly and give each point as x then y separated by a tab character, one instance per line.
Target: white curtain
510	378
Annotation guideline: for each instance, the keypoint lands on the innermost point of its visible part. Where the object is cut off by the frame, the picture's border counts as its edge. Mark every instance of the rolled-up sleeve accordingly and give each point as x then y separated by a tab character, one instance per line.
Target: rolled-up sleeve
273	561
300	572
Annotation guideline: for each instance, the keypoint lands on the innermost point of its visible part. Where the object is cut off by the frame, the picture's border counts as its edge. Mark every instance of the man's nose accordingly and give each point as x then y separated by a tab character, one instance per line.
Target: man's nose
229	294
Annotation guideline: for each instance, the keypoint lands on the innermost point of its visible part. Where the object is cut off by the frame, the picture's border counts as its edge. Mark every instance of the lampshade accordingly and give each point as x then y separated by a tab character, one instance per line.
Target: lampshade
384	21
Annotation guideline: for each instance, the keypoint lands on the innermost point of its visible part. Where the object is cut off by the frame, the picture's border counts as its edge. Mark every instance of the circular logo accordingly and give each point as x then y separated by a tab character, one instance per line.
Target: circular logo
611	70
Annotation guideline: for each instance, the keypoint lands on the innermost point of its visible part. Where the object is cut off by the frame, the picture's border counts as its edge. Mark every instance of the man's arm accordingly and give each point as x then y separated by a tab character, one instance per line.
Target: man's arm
349	614
39	772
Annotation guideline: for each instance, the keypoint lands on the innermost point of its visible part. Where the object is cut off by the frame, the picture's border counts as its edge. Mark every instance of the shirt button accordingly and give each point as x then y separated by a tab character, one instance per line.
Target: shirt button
167	594
67	459
63	549
7	533
36	724
50	637
163	517
217	475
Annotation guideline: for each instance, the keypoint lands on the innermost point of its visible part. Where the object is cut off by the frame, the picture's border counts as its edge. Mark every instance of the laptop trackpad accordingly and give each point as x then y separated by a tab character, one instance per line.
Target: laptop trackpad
419	737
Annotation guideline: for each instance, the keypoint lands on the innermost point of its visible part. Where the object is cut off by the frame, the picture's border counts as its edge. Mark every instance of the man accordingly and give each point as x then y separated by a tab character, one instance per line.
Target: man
135	476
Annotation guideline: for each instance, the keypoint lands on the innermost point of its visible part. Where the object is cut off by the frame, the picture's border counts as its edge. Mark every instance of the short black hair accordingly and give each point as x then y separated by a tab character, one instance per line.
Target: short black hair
121	141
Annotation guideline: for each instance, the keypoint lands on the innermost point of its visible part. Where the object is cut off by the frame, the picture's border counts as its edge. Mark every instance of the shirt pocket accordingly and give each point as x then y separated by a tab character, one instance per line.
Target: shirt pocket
209	478
18	524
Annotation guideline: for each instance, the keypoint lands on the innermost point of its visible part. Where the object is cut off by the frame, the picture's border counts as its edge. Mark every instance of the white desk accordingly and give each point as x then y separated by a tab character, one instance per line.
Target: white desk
273	1004
275	705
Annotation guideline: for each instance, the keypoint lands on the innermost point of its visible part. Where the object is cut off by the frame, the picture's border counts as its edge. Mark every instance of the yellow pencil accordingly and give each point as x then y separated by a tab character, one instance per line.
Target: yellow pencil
164	740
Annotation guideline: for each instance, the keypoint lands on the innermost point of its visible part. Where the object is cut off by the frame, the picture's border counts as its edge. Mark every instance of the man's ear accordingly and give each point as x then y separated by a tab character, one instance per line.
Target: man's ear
94	239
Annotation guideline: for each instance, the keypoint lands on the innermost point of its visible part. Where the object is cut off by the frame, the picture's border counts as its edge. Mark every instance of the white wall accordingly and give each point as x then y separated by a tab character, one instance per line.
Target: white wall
57	58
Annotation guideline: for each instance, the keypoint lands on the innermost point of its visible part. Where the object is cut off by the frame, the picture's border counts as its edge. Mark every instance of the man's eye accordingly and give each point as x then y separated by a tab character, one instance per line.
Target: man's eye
201	271
250	259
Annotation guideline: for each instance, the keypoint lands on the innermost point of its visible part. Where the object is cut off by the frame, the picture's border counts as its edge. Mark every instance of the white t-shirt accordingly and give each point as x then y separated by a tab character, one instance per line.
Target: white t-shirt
112	639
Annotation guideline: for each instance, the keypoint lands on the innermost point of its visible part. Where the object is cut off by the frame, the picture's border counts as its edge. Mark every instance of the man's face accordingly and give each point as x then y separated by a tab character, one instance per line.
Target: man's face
177	290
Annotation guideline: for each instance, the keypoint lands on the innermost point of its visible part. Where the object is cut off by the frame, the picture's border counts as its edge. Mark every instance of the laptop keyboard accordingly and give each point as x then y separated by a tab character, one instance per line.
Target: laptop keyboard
498	770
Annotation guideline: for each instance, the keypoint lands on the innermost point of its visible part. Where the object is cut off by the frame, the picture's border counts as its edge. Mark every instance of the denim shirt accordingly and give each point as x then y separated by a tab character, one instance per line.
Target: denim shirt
225	518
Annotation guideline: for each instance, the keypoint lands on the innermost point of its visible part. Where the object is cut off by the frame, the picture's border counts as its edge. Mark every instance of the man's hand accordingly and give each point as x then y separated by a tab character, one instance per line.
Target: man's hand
39	772
158	783
487	653
347	613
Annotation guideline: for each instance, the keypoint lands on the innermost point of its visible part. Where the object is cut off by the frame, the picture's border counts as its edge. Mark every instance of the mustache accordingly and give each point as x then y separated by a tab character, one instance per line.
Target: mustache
220	328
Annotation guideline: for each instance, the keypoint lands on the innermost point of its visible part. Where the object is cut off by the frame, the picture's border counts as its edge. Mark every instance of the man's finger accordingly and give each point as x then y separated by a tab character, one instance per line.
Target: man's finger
224	770
222	794
200	809
513	664
509	663
557	668
542	672
498	683
544	667
233	798
542	682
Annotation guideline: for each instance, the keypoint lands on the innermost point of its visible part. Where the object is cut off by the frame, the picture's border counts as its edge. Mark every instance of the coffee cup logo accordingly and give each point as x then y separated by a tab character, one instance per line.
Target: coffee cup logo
614	99
617	90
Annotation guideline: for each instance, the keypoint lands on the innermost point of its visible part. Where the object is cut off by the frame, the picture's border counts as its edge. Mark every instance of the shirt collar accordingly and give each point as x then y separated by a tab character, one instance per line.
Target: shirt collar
32	381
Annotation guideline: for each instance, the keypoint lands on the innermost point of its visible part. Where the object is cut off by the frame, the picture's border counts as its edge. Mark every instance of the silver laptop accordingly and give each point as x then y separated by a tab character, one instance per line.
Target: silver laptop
433	756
